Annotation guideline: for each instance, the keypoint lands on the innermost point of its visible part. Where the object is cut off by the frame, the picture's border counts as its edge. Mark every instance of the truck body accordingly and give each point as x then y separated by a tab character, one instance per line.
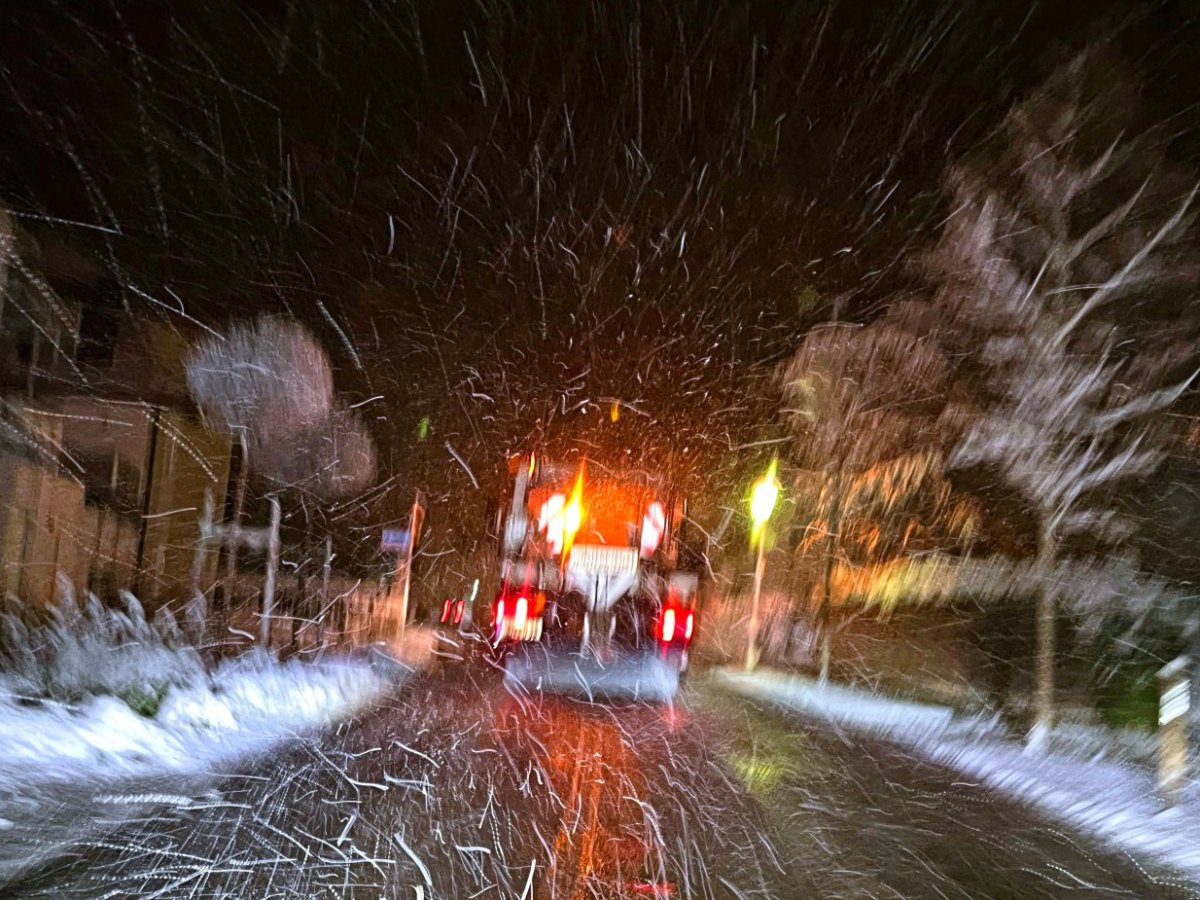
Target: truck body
591	575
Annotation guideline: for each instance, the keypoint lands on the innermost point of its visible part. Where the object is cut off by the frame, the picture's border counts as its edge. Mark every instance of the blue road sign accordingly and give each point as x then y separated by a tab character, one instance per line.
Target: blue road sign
395	540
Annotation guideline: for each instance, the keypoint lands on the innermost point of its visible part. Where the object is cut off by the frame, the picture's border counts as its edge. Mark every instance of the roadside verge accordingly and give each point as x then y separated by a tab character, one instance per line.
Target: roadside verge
1116	802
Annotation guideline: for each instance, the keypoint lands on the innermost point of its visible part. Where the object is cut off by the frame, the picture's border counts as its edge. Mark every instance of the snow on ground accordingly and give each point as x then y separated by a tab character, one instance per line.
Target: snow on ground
92	691
1113	800
631	677
857	709
245	706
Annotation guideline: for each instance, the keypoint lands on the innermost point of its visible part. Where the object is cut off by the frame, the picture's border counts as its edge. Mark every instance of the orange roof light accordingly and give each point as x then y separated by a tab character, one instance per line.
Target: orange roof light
573	514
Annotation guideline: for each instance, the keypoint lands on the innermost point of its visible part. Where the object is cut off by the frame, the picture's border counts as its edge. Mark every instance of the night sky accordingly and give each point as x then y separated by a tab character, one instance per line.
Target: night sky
507	217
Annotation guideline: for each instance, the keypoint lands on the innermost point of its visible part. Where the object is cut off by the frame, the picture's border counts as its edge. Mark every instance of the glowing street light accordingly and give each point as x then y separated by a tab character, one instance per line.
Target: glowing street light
762	499
762	503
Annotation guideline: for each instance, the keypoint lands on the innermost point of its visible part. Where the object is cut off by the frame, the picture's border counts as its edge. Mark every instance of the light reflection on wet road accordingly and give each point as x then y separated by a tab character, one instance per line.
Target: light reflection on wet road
458	788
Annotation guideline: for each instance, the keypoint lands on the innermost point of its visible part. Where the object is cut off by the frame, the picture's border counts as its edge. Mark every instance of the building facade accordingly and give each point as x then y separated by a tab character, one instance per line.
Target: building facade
101	479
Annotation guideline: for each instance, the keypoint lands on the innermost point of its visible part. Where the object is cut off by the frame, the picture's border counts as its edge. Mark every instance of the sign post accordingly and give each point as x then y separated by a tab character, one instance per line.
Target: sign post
234	534
396	541
762	504
402	542
1173	701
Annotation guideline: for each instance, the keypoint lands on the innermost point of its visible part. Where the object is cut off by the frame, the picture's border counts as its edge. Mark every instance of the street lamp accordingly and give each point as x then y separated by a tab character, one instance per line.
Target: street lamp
762	504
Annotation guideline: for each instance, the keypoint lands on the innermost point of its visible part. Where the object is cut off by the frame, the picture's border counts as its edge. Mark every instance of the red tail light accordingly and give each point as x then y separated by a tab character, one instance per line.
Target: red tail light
521	613
688	624
458	611
668	625
446	611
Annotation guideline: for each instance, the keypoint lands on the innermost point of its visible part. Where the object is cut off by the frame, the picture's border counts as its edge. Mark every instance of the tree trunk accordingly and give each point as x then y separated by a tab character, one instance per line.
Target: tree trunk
825	613
826	652
1044	624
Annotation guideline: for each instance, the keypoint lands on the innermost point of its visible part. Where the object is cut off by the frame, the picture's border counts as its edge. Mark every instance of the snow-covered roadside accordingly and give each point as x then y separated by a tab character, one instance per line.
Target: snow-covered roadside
1111	800
884	716
244	707
91	692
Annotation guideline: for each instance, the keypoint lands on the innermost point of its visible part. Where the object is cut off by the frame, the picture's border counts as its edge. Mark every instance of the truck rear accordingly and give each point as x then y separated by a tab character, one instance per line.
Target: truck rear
593	599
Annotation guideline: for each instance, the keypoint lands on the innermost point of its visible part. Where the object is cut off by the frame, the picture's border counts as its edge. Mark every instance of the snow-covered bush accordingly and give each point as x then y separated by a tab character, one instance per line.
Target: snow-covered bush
75	649
245	706
303	694
89	692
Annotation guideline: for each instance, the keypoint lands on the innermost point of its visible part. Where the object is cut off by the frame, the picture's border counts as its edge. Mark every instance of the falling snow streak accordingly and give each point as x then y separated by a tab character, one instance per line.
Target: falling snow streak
475	207
456	788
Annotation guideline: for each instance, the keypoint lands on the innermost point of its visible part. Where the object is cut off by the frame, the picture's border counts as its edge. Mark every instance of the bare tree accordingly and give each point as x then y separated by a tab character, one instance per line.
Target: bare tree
270	383
332	459
871	489
263	375
1052	263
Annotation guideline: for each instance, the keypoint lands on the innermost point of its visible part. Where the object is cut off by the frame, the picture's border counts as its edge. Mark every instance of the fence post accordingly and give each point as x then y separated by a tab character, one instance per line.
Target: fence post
268	603
323	608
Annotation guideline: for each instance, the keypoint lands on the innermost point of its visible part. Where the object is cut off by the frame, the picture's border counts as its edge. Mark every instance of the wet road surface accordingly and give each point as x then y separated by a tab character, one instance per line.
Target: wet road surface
459	788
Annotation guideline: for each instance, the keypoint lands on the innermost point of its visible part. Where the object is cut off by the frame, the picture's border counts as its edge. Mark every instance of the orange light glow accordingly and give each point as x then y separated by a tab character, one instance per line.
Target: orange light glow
573	514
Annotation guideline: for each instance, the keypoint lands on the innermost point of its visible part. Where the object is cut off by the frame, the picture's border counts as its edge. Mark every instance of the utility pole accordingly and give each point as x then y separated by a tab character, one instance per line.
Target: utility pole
324	608
147	491
760	568
268	603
